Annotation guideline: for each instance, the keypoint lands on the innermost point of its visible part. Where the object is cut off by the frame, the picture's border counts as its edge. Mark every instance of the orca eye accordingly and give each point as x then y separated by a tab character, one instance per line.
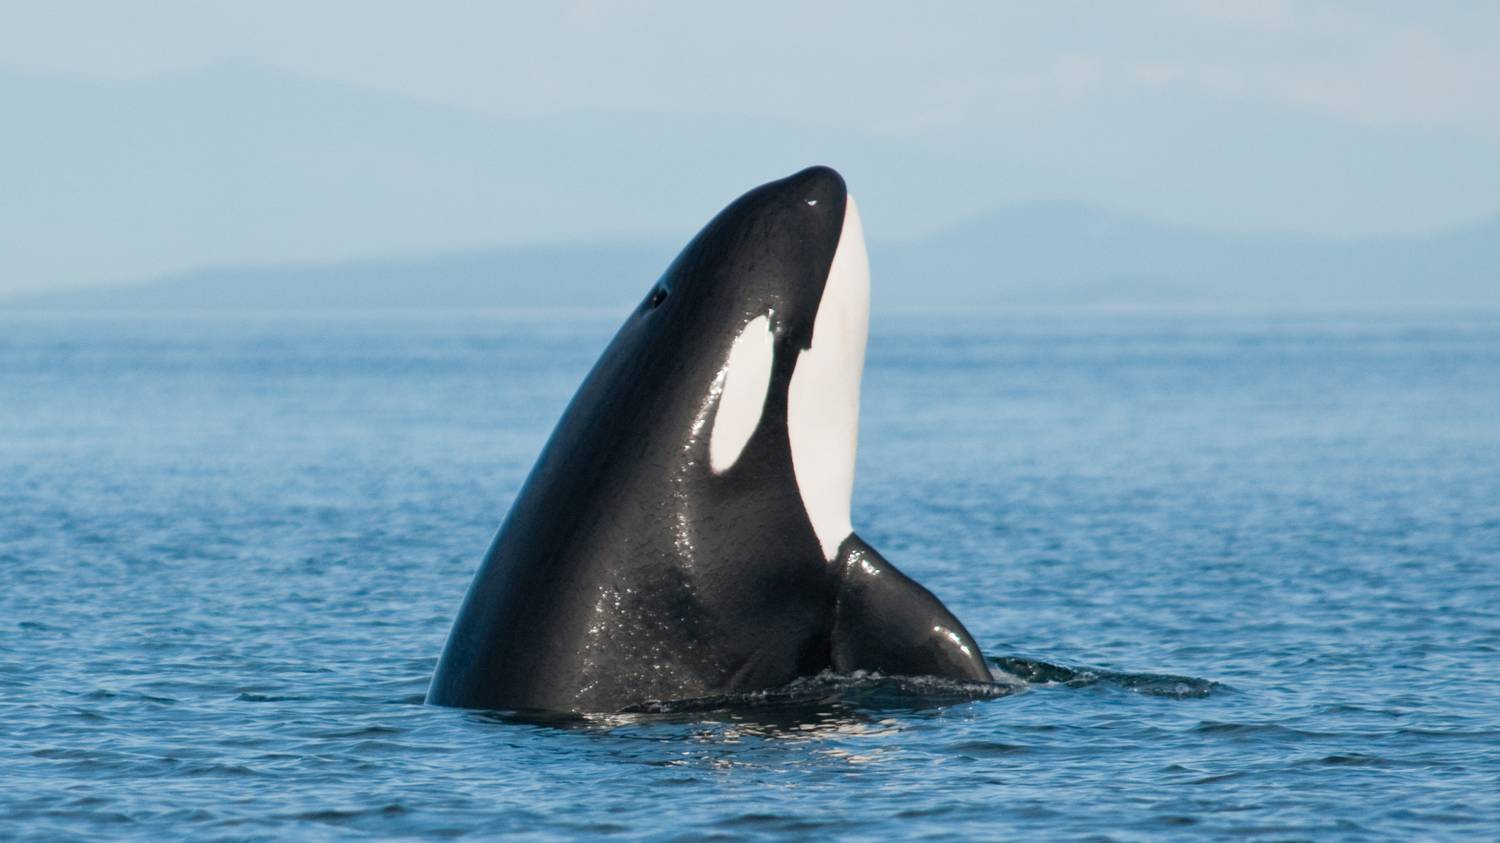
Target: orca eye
658	296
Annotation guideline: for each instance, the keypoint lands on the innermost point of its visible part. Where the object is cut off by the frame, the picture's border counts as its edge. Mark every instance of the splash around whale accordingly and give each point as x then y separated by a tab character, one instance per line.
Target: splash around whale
685	533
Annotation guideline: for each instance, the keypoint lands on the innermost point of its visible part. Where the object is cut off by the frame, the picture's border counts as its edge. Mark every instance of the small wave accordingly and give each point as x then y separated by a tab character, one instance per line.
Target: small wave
1036	672
1257	730
987	748
870	691
108	695
251	696
1352	759
862	690
336	816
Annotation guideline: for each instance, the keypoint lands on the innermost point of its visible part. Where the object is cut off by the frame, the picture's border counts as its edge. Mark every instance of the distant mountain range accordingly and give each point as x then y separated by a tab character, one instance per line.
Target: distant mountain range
1062	255
514	277
268	183
1039	255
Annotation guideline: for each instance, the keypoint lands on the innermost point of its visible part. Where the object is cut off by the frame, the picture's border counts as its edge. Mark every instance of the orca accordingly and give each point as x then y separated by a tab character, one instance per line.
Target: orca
685	533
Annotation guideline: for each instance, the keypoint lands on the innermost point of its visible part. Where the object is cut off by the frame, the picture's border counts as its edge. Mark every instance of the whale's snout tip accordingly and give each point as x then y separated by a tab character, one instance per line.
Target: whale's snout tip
819	184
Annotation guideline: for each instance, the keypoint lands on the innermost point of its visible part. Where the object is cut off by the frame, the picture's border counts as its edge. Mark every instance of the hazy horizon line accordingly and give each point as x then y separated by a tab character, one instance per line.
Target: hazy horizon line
665	243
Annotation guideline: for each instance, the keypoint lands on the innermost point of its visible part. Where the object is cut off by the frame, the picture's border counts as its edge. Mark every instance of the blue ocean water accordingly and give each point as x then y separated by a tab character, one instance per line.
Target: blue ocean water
1251	566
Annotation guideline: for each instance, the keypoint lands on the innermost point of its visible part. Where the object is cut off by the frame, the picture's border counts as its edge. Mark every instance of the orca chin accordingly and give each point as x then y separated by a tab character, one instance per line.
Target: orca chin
685	533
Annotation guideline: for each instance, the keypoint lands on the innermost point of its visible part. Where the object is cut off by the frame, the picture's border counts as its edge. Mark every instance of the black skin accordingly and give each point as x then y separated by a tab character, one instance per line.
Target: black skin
628	572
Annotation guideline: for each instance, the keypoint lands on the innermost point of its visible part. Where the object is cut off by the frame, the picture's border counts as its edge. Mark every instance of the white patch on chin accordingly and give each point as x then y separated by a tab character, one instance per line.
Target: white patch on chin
742	393
823	402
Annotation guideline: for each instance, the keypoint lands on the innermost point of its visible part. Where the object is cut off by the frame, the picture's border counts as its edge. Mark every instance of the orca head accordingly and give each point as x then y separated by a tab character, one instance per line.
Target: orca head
776	290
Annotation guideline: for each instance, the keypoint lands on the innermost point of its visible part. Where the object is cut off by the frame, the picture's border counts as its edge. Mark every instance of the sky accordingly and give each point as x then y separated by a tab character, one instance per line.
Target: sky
137	151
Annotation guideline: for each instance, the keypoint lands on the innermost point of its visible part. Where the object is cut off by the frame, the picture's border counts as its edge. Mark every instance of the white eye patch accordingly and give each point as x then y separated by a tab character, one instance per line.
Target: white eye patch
743	383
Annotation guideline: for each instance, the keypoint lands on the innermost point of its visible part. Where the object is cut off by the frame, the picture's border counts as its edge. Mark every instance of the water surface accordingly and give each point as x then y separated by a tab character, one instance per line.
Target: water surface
1251	567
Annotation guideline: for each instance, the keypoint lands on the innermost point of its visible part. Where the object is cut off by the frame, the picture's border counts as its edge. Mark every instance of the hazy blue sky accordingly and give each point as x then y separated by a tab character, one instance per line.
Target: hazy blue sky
154	137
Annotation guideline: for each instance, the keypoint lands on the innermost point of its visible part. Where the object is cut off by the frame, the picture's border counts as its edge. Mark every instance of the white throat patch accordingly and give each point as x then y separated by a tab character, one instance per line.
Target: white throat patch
823	402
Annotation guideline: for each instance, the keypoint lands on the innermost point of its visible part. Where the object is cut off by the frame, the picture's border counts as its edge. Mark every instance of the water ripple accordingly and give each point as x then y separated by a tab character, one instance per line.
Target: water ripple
231	551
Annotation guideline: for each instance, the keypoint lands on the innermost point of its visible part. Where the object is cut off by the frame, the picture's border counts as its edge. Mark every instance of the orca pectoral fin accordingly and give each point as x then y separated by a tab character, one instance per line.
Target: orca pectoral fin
886	622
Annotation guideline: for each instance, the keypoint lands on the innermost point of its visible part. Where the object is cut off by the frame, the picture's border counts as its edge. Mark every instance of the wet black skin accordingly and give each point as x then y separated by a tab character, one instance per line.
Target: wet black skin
629	572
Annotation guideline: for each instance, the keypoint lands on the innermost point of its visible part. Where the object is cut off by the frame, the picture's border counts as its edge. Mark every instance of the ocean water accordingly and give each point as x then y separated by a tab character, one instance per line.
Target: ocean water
1248	566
